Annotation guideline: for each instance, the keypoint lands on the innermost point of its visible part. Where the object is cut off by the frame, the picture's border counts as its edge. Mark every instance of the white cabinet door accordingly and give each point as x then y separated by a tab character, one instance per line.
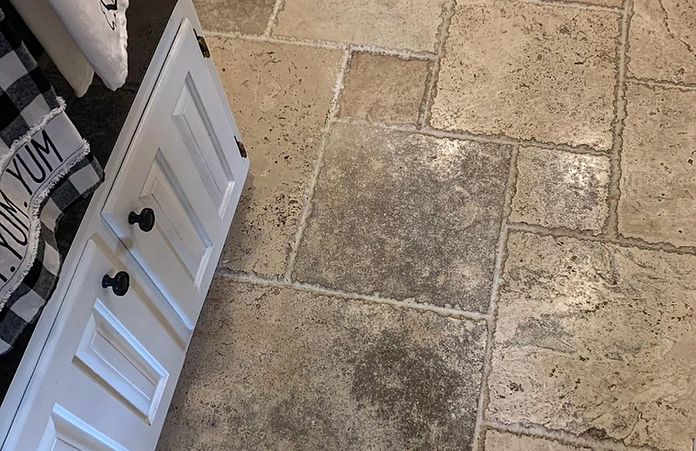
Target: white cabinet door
185	166
109	384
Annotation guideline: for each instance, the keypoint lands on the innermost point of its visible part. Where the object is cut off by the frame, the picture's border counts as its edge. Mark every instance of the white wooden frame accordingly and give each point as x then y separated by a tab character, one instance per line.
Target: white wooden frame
43	342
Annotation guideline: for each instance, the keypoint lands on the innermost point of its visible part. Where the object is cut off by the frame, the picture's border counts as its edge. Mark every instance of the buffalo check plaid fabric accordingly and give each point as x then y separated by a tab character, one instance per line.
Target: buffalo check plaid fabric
26	302
27	102
26	97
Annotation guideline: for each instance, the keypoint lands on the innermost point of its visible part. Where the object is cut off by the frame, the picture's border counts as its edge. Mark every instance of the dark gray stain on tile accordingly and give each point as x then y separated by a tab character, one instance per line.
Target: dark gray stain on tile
406	216
411	386
299	420
275	368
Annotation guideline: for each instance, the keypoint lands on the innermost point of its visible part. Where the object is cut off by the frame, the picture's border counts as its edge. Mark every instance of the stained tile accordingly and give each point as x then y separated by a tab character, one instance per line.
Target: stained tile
383	88
597	340
529	71
406	215
662	40
504	441
400	24
244	16
658	173
561	189
280	95
275	368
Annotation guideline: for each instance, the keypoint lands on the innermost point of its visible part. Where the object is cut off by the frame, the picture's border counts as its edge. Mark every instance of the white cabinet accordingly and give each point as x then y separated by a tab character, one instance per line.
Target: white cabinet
148	248
185	166
111	379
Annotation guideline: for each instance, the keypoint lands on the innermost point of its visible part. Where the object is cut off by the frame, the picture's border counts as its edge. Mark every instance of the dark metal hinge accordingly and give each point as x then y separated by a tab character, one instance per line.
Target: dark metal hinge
203	45
240	146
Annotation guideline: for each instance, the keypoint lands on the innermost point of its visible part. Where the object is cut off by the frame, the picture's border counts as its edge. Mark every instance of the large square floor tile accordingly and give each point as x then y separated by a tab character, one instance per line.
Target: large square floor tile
279	369
597	340
658	166
280	95
406	215
529	71
662	40
400	24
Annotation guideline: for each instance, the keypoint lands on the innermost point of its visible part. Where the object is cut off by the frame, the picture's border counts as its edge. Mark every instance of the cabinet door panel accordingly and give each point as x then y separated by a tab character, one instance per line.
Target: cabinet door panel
113	356
108	385
184	163
65	432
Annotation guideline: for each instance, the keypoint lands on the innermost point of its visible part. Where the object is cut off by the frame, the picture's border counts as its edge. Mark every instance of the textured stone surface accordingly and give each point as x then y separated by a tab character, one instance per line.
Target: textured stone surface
561	189
504	441
662	40
406	215
529	71
658	168
280	95
244	16
597	340
609	3
383	88
402	24
275	368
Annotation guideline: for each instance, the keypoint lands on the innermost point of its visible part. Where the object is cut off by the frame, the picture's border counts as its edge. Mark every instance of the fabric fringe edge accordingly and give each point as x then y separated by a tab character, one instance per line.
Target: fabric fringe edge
35	206
21	141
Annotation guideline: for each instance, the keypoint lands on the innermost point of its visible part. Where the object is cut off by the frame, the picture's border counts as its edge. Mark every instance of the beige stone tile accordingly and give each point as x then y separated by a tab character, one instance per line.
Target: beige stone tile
597	340
608	3
658	169
274	368
383	88
504	441
662	40
561	189
400	24
280	95
406	215
244	16
529	71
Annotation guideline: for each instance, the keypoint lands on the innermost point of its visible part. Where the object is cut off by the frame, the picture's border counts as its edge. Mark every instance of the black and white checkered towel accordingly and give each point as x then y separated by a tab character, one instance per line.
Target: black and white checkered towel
45	169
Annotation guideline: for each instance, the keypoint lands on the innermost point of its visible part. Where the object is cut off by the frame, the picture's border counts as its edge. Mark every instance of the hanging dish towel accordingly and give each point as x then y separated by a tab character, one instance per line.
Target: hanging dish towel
45	168
99	30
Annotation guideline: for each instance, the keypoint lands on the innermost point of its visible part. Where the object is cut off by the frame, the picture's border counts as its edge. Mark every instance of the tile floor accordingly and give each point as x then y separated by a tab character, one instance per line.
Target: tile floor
469	225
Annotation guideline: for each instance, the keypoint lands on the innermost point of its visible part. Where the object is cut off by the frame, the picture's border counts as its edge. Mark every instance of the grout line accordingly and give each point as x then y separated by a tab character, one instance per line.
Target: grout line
273	20
448	10
330	45
309	193
611	228
662	84
561	437
501	253
500	258
421	307
574	4
620	241
429	131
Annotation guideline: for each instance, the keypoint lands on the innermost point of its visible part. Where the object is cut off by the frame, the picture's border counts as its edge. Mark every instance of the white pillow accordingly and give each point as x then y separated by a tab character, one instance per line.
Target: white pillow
99	29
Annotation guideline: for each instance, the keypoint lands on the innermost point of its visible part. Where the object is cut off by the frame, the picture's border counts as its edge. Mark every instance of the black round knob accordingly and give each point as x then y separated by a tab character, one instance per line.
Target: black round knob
145	220
118	283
